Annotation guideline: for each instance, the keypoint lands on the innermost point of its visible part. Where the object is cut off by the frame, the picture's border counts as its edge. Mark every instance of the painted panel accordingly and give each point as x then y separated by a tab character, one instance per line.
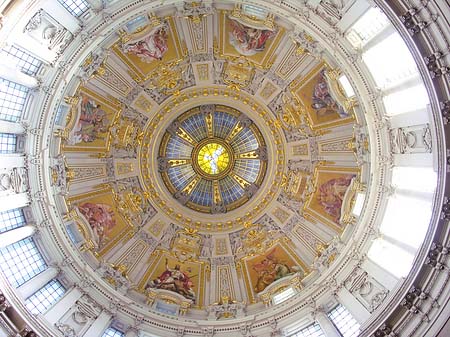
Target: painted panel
145	50
239	37
101	221
183	277
331	184
276	263
318	101
90	118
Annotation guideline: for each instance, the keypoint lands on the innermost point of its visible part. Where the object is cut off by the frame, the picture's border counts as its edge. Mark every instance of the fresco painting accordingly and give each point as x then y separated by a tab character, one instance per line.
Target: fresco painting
275	264
248	40
316	97
325	204
101	217
180	277
92	123
150	47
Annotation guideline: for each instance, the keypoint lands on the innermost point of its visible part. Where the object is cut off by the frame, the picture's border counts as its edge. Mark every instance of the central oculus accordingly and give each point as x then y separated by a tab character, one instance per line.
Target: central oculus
212	158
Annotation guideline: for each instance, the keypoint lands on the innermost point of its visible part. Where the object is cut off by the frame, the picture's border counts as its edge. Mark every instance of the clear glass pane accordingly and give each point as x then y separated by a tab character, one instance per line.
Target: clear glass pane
283	296
423	179
312	330
111	332
344	321
406	219
75	7
390	257
11	219
21	261
367	27
45	297
345	83
390	61
413	98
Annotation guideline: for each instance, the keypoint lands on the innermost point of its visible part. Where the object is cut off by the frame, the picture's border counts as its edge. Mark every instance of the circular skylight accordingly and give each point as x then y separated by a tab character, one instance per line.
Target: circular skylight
212	159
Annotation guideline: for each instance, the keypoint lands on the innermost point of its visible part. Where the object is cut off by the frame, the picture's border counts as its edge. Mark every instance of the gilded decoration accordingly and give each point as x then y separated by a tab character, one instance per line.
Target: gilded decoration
168	78
300	150
91	116
278	262
186	244
331	185
238	73
255	239
88	172
203	71
125	134
166	163
322	98
230	162
212	159
143	103
221	246
156	228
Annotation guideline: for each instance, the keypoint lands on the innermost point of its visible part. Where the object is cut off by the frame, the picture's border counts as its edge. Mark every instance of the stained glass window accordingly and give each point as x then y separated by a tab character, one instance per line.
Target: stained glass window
213	158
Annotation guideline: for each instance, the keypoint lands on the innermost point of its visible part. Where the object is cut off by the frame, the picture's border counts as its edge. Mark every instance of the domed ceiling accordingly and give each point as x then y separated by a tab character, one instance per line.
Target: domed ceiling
209	157
218	168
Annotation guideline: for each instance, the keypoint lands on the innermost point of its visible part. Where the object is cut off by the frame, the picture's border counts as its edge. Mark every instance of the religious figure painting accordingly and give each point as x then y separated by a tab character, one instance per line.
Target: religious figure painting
321	104
322	101
144	49
248	40
92	123
151	47
177	277
273	265
331	185
101	220
331	194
